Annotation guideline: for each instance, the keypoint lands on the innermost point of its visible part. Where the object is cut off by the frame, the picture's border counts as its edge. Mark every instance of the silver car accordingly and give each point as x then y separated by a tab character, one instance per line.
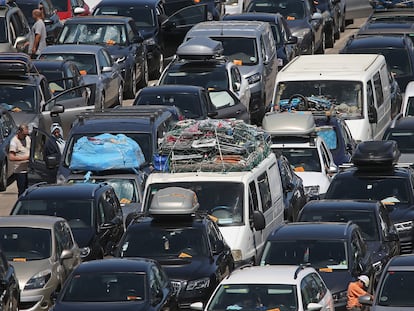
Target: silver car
43	253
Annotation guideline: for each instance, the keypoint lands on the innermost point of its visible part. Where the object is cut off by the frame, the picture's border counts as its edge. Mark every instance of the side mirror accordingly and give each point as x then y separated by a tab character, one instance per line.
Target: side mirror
78	11
236	86
52	162
333	169
66	254
19	43
266	60
372	114
292	40
316	16
365	300
259	221
56	110
218	247
314	307
106	69
196	306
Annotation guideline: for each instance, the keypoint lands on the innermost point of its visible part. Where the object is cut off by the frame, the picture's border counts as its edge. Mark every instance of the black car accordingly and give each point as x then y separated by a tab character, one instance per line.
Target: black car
375	177
331	13
302	18
10	299
398	51
336	250
8	130
286	43
401	130
121	38
371	216
186	243
51	18
92	210
123	284
162	34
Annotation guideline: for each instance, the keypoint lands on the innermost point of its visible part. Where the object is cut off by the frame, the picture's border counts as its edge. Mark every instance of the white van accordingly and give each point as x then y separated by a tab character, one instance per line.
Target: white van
357	87
238	199
407	108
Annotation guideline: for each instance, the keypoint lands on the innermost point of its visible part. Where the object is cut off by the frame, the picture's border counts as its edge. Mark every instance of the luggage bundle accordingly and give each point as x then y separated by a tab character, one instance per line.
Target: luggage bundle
211	145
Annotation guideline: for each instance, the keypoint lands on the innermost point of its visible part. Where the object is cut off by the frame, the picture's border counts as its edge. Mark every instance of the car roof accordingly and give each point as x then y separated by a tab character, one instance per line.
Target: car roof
67	191
112	125
376	41
168	88
354	172
99	19
128	2
43	64
346	205
34	221
245	28
402	261
115	265
258	16
311	231
265	275
72	48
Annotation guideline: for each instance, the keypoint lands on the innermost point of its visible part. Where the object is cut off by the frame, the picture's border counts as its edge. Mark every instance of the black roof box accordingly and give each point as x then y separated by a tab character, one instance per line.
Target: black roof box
15	64
377	153
200	48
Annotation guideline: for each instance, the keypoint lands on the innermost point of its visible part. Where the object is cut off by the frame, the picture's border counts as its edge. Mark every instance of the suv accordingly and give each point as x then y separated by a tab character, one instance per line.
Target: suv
16	30
375	176
256	288
250	44
336	250
186	243
92	211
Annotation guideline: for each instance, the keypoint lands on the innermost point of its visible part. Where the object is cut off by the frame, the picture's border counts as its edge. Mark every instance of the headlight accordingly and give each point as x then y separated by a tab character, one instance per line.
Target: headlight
39	280
254	78
312	191
404	226
339	296
85	251
198	284
300	33
237	254
149	41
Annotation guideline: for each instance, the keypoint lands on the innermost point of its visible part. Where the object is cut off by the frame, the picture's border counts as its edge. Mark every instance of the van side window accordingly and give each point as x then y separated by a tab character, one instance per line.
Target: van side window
253	202
370	95
264	189
378	89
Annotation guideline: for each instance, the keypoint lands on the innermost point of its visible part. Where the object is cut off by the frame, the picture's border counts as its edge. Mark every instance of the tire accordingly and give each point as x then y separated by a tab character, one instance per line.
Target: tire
3	176
145	76
321	48
132	89
343	23
155	74
120	97
102	105
329	38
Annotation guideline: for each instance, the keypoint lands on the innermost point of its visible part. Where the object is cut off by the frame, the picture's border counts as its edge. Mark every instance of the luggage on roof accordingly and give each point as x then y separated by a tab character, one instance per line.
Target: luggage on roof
15	64
289	124
173	201
200	48
376	153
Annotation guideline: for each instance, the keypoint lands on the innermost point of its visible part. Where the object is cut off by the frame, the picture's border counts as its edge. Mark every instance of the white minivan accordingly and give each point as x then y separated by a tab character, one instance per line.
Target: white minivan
355	86
247	205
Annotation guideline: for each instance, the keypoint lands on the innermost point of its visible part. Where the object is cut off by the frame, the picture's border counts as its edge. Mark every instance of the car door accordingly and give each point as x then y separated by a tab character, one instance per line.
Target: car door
136	50
175	27
228	105
220	255
9	287
109	76
64	241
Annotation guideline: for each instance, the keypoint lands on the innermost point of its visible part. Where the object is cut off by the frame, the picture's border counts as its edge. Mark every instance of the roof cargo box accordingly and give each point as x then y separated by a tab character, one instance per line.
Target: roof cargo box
200	48
376	154
174	201
15	64
289	124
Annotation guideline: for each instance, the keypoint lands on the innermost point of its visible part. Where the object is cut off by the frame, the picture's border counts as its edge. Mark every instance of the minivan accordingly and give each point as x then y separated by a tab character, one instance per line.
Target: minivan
355	86
251	45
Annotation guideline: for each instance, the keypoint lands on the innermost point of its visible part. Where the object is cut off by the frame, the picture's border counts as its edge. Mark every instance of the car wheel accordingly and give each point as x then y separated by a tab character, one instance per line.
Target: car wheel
3	176
155	74
132	90
343	23
145	75
102	104
321	48
120	97
329	38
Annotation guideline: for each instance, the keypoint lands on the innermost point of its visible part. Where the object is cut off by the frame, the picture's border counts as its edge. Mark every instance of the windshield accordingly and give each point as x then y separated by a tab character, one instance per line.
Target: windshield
345	97
404	139
78	213
3	30
410	105
396	290
113	34
389	190
302	159
320	254
161	242
142	15
254	297
290	9
85	62
366	220
223	200
18	98
106	287
60	5
25	244
240	49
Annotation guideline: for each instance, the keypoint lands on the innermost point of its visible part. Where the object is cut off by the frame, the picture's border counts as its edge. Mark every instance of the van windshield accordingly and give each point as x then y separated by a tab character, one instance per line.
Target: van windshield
223	200
240	49
344	97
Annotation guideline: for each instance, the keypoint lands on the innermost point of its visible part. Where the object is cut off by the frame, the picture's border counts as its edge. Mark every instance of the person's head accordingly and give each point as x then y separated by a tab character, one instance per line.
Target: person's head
56	130
364	280
37	14
22	131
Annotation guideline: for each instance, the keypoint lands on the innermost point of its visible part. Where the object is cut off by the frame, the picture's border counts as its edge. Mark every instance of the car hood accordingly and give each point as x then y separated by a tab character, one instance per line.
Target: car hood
26	270
83	236
25	118
247	71
315	178
101	306
186	268
401	212
117	50
337	281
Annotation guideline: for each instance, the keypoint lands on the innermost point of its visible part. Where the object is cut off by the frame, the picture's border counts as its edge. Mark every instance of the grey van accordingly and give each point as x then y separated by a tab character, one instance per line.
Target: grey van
251	45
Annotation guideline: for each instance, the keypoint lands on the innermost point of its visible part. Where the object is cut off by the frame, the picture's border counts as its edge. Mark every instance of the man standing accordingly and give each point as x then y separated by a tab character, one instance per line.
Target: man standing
355	290
19	153
38	35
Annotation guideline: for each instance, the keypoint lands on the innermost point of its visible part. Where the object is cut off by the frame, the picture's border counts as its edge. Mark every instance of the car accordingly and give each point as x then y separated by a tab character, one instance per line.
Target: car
8	130
51	18
294	135
286	44
187	244
92	210
331	13
255	288
206	70
43	253
401	130
392	293
98	66
122	40
136	283
336	250
16	33
251	45
407	108
398	51
391	15
70	8
162	34
302	18
374	176
10	299
381	4
372	217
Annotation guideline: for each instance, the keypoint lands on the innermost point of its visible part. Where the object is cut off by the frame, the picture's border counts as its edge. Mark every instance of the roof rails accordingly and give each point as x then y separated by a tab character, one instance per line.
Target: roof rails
200	48
300	268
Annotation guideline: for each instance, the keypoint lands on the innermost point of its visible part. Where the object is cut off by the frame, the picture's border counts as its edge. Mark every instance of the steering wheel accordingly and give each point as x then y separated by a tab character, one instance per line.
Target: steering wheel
222	211
303	105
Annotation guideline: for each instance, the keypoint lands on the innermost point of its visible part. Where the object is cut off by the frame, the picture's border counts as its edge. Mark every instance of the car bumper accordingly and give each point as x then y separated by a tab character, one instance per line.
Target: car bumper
36	299
186	298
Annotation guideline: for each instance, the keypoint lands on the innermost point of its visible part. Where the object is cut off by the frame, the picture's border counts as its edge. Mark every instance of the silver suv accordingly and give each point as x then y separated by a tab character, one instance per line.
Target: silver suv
14	28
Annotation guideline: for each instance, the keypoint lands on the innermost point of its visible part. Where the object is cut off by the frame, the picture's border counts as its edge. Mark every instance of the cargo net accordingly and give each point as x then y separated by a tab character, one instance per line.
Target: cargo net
211	146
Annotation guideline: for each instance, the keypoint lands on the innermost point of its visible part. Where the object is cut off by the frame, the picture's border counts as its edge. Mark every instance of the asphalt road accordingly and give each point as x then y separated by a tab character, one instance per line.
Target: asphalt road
8	197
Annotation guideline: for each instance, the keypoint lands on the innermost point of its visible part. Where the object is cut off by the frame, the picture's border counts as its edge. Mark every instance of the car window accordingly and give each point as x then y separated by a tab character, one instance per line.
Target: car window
378	89
143	16
85	62
188	16
241	49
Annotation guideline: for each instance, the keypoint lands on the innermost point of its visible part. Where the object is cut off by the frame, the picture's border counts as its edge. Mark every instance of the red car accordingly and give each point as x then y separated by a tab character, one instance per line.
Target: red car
70	8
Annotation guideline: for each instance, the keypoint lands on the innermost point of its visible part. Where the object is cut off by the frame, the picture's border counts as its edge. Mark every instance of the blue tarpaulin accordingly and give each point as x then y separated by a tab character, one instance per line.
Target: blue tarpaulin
106	151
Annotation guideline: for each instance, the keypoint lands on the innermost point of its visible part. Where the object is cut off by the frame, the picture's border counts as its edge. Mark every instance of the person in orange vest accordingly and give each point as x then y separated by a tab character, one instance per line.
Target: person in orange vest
357	289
